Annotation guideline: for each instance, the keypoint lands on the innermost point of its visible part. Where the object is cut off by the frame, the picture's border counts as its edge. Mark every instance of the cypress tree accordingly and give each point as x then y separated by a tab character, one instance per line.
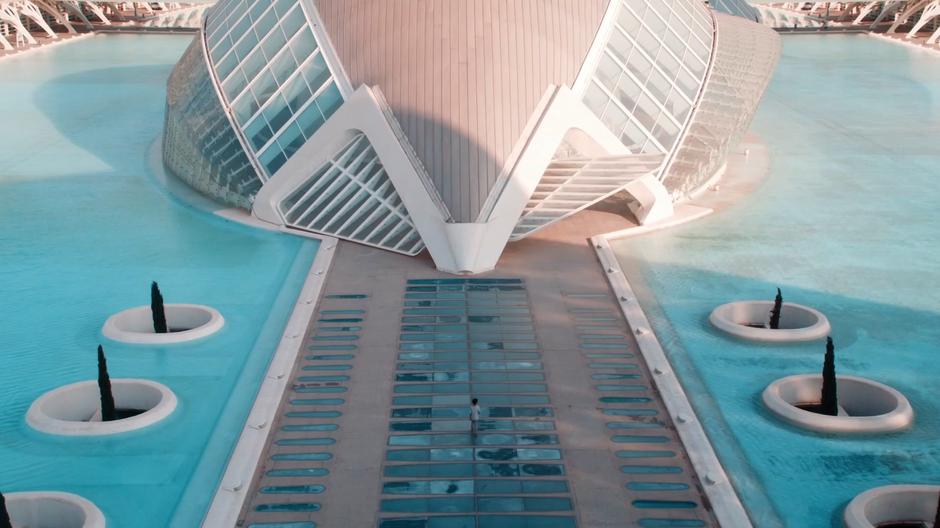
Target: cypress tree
156	308
104	388
775	313
5	521
830	398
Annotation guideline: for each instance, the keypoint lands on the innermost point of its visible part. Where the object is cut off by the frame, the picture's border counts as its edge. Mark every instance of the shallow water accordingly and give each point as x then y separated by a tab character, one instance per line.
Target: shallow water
847	222
85	228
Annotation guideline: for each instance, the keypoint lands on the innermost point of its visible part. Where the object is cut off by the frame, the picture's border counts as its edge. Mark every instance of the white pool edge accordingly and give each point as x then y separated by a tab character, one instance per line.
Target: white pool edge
725	503
51	44
904	42
232	493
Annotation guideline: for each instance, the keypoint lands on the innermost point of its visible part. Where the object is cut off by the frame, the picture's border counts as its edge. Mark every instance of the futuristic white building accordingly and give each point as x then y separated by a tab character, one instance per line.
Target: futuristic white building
458	126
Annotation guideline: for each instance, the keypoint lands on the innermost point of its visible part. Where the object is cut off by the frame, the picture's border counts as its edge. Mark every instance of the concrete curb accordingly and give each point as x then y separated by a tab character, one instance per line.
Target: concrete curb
726	505
232	493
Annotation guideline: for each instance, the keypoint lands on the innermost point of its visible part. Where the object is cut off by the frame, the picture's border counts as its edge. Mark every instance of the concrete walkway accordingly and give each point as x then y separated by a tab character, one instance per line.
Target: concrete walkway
622	459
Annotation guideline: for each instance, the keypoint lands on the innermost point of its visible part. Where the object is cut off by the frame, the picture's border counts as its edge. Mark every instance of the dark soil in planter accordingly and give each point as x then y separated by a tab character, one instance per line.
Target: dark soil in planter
762	326
902	524
174	330
120	414
811	407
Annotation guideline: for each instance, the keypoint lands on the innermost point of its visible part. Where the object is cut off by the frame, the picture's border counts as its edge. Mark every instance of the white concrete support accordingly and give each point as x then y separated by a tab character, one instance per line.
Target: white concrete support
867	10
5	44
10	15
930	12
935	38
870	7
75	8
891	7
363	113
115	12
564	111
96	9
33	13
910	10
455	247
652	201
53	10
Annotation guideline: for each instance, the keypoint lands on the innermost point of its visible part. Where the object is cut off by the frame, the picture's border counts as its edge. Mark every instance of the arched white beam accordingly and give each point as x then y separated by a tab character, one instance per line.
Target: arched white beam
115	12
891	7
54	12
652	201
484	241
935	38
930	12
74	7
911	9
33	13
364	112
10	15
5	44
455	247
96	9
867	10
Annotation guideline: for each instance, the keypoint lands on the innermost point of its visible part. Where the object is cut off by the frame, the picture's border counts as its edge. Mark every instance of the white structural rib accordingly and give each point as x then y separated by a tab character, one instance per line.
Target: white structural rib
571	185
351	196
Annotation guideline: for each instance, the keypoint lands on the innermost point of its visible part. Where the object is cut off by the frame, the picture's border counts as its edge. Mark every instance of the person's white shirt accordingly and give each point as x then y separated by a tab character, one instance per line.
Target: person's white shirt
474	412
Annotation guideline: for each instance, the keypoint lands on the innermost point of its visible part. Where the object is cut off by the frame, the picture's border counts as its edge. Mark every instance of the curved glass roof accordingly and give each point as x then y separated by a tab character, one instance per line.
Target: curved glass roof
272	74
652	69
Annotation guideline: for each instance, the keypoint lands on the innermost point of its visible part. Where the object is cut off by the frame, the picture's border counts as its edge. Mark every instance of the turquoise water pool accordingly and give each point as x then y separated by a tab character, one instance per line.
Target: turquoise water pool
85	228
847	221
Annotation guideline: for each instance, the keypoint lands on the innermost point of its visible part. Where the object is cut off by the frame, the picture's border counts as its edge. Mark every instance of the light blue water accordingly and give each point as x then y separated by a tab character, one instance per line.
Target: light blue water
83	230
848	221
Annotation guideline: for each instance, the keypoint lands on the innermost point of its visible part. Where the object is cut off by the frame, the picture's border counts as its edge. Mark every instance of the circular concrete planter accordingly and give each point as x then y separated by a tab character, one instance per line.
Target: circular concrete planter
797	322
187	322
866	406
52	509
892	504
75	410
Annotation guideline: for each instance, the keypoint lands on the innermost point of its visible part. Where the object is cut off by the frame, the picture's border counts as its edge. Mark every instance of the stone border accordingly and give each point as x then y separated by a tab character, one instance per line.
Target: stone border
798	322
53	508
70	409
232	492
892	503
46	45
869	406
718	489
905	42
135	325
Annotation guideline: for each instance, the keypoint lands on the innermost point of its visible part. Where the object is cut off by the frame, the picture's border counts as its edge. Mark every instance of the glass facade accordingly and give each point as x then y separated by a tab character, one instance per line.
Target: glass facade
651	71
199	144
745	59
736	7
273	75
351	196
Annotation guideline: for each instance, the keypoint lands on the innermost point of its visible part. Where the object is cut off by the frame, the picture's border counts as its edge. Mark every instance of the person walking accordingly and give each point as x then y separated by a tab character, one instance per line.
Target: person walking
474	415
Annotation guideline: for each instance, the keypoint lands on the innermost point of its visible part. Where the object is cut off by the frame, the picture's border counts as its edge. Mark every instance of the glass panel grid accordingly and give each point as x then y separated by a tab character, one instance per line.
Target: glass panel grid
651	71
746	56
463	339
272	75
